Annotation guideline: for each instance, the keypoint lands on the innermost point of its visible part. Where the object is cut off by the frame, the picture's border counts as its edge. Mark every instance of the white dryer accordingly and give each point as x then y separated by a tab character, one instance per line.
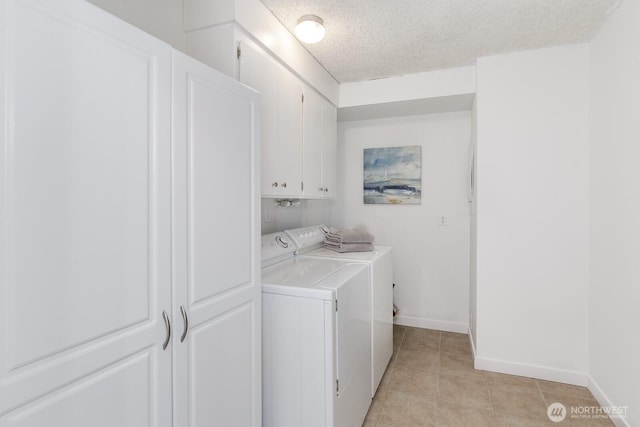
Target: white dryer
316	353
309	243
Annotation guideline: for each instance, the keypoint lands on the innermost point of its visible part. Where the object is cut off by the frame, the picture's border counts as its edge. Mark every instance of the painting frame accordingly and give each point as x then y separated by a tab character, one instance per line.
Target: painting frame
392	175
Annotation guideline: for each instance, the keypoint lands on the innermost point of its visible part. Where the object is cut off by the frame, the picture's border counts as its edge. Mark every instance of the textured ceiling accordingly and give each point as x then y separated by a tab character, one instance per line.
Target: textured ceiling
368	39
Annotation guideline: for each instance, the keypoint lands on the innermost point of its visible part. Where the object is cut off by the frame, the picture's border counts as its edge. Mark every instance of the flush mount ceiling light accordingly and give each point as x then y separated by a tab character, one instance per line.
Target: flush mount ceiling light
309	29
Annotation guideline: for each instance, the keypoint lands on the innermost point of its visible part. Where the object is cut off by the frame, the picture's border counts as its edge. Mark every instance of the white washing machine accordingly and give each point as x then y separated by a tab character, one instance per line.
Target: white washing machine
309	243
316	339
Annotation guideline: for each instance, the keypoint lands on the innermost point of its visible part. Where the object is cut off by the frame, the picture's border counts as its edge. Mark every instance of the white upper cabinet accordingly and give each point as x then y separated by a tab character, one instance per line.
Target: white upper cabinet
216	278
319	146
312	145
329	148
85	218
281	121
298	139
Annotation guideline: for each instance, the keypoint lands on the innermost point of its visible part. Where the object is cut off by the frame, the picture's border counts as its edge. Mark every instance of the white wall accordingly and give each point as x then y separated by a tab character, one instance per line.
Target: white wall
439	91
615	211
431	262
310	212
160	18
532	213
430	84
473	252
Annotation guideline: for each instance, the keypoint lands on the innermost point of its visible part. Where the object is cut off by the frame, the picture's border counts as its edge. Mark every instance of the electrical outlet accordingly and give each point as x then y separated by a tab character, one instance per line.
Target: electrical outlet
443	221
267	217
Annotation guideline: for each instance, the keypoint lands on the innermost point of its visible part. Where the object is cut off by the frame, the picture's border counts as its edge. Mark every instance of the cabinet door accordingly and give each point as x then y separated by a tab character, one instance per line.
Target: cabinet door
329	148
312	144
281	118
259	72
289	163
319	146
216	232
85	218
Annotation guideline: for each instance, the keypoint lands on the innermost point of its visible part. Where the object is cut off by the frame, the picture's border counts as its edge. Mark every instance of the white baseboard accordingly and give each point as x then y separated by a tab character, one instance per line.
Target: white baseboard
440	325
531	371
604	401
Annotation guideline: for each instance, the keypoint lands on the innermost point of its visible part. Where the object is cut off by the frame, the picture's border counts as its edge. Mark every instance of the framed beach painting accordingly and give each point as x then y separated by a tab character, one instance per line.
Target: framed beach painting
392	175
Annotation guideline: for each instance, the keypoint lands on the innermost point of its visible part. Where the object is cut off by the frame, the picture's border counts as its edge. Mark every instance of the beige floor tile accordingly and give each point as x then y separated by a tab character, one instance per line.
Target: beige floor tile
382	390
507	421
386	377
524	402
412	329
415	381
455	343
455	336
398	336
564	389
464	391
431	381
421	341
376	405
459	364
452	415
418	359
373	414
422	331
407	410
401	328
587	422
568	400
505	382
394	356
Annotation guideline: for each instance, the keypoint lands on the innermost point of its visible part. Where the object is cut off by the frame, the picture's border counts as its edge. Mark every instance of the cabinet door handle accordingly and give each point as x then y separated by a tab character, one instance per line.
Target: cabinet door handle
284	185
167	325
274	184
185	319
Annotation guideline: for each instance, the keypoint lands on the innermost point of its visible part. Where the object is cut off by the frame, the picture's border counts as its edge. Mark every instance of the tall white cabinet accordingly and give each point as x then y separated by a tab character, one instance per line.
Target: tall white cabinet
111	229
216	275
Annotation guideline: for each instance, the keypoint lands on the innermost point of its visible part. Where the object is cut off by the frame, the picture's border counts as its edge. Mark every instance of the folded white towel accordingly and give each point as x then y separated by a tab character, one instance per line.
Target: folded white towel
349	247
348	236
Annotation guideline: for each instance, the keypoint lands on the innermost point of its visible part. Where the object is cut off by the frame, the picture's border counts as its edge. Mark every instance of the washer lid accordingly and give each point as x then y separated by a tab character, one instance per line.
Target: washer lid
350	256
300	271
305	277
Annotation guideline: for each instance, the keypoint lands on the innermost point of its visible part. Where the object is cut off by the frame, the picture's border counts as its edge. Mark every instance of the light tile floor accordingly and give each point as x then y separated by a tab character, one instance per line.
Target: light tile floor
431	381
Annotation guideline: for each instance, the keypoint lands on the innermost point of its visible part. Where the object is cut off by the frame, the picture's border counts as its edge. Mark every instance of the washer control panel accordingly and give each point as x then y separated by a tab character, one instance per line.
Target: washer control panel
275	247
307	238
